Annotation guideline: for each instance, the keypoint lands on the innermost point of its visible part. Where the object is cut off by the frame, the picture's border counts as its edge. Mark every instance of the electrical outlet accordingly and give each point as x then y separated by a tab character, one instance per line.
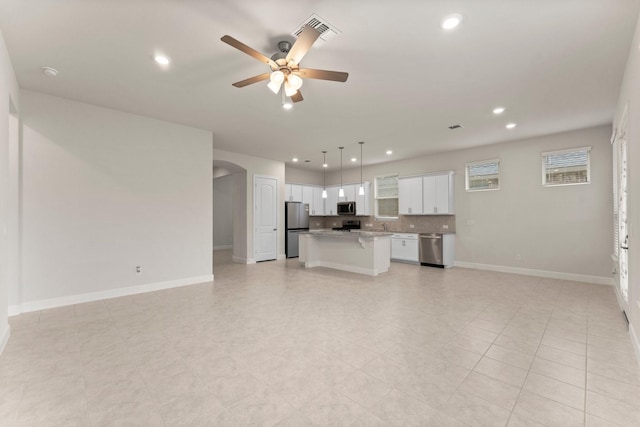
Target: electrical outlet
138	270
518	257
445	226
412	226
335	225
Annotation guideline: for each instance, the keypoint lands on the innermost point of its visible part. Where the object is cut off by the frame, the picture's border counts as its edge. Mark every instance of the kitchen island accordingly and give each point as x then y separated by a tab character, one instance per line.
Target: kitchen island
364	252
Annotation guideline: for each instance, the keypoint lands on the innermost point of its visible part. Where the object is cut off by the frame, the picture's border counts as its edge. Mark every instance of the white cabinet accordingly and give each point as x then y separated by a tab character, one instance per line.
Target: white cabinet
318	202
349	193
293	193
363	202
318	206
404	247
426	195
410	195
331	202
437	194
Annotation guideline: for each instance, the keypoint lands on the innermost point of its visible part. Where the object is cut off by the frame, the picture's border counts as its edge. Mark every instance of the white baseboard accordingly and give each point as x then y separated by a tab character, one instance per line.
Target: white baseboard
281	256
241	260
598	280
4	339
222	248
111	293
635	341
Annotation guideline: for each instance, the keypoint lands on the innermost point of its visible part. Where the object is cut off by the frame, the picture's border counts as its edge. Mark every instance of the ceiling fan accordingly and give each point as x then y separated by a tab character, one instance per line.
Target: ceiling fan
285	65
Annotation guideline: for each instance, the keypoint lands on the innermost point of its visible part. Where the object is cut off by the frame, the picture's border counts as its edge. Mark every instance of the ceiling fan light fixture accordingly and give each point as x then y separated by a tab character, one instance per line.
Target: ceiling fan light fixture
295	81
275	87
289	90
277	77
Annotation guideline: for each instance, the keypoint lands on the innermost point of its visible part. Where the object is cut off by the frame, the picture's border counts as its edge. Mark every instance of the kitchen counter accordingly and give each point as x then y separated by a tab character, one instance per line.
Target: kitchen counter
364	252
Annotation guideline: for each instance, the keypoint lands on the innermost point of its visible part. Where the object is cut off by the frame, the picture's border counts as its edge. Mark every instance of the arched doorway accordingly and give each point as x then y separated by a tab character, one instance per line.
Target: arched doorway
230	209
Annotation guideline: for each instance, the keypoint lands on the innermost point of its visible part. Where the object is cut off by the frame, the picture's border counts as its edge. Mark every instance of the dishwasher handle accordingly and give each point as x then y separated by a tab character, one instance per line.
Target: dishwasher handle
431	236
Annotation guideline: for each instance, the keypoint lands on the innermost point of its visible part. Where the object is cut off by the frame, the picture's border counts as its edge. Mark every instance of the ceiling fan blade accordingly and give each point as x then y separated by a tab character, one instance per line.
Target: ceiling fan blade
249	51
336	76
297	97
252	80
301	46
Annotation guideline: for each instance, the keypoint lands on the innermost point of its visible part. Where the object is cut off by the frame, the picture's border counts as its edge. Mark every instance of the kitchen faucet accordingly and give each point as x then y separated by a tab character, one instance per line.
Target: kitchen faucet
384	226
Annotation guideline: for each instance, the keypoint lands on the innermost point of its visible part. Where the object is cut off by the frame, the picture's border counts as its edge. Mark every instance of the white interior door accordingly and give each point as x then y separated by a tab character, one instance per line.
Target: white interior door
266	218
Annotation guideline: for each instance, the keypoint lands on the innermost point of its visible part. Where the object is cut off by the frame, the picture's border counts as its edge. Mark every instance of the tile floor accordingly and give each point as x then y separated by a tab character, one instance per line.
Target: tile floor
274	344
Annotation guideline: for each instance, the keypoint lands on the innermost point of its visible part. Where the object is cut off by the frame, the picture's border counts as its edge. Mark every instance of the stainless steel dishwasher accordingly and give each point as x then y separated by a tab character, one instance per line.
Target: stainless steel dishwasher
431	249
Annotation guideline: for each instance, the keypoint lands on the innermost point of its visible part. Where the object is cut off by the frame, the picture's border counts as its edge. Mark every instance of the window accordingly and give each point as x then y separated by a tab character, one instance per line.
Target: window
386	193
483	175
566	167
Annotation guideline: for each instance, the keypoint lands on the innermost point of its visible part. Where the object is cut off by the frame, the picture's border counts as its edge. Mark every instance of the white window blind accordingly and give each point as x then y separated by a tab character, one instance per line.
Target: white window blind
566	167
483	175
386	191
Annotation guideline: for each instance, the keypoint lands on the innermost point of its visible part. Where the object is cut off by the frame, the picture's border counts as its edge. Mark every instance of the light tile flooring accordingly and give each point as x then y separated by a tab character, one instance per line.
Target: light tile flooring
274	344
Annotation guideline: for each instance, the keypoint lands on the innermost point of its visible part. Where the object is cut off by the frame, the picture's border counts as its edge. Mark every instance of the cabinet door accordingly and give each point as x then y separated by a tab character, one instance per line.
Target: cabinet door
411	250
331	202
287	193
307	197
349	193
441	200
429	194
410	195
363	202
296	192
318	202
397	249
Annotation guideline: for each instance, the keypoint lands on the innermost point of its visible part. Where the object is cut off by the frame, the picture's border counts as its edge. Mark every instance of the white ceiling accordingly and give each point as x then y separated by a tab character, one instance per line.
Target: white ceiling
555	64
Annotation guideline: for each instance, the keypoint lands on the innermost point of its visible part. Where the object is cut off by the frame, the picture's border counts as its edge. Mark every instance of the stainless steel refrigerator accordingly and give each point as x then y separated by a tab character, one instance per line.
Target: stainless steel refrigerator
296	221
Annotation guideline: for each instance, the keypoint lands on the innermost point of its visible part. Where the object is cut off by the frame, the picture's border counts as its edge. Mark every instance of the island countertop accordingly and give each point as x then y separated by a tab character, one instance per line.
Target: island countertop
364	252
352	233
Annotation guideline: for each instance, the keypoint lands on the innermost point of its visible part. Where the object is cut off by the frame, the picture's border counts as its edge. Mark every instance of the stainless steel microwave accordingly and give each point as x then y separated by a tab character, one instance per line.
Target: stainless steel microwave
346	208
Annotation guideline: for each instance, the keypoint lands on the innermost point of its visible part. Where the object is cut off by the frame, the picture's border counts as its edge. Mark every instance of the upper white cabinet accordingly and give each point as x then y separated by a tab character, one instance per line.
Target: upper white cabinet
349	193
318	202
363	202
293	192
426	195
318	206
410	195
437	194
331	202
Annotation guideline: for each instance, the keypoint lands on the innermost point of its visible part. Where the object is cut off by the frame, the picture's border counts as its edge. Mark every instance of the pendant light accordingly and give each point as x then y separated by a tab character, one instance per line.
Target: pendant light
361	191
324	176
341	192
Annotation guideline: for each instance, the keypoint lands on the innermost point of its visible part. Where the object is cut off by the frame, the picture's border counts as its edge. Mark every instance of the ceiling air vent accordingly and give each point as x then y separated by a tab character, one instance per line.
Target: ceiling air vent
327	31
452	127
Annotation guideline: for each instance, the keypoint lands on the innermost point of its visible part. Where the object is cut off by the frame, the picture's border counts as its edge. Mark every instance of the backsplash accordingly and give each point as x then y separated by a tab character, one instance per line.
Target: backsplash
421	223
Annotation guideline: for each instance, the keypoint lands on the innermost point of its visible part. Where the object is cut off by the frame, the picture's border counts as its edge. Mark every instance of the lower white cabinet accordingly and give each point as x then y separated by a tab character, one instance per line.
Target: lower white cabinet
404	247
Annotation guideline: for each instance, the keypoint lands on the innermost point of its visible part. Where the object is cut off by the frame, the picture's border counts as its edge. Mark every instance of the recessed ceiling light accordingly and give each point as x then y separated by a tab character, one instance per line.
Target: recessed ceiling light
450	22
324	165
498	110
510	126
353	159
389	152
161	59
295	159
49	72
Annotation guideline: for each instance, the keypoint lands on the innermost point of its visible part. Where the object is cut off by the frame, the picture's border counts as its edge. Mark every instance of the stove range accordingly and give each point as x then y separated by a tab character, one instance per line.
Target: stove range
348	225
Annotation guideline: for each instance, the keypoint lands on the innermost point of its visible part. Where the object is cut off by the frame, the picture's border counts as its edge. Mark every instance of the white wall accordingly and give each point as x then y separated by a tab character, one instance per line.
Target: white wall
223	188
562	229
106	191
630	93
253	166
8	229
